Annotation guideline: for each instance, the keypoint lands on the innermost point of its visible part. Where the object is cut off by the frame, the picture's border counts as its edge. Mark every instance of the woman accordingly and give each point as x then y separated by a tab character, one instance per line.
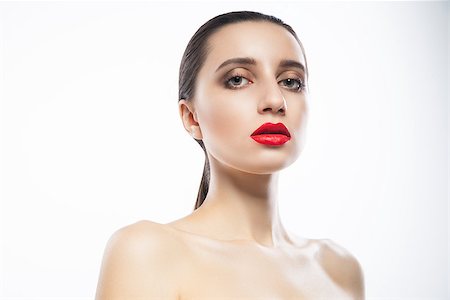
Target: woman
243	98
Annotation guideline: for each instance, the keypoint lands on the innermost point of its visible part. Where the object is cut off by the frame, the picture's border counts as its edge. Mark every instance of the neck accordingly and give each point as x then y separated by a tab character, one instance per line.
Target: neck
241	206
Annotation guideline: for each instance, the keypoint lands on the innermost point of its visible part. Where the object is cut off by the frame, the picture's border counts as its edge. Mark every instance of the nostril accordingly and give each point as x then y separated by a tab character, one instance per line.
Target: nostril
281	110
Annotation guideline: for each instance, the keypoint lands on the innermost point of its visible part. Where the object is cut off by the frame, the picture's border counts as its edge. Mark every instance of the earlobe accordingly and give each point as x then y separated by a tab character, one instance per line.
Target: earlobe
196	132
189	119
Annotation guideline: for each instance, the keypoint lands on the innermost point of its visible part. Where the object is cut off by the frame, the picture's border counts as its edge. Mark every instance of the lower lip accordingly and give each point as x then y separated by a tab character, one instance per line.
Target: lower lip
271	139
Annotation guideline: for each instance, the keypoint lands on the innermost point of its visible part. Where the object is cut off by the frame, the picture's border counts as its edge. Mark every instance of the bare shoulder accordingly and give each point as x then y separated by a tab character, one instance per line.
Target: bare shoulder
142	235
342	267
140	261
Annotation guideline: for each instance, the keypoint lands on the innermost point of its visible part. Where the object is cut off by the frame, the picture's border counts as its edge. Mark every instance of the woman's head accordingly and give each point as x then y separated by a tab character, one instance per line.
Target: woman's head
240	70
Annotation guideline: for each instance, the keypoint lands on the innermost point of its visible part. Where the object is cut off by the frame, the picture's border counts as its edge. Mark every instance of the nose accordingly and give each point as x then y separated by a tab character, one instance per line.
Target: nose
272	100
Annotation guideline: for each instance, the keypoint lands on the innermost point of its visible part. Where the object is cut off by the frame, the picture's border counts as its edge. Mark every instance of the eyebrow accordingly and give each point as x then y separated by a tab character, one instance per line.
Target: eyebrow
285	63
237	60
289	63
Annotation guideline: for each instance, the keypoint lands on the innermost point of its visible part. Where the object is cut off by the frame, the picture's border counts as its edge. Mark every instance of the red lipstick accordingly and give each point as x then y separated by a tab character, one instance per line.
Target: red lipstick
271	134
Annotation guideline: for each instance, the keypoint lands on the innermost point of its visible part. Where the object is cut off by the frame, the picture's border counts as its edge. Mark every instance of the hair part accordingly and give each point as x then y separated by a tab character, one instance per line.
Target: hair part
195	55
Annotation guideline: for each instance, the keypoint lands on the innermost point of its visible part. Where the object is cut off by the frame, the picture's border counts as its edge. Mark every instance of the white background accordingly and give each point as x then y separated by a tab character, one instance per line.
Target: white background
91	139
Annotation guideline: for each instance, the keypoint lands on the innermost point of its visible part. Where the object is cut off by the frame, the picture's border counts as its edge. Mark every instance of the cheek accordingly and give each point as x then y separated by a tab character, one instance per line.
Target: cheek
215	120
299	115
224	116
299	122
225	121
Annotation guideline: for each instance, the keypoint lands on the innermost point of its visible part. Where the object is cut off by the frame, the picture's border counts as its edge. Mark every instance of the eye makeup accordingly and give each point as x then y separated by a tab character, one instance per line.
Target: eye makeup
235	77
240	78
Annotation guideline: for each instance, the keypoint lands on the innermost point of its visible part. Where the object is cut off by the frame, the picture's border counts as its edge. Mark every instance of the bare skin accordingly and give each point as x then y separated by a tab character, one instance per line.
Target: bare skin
148	260
235	246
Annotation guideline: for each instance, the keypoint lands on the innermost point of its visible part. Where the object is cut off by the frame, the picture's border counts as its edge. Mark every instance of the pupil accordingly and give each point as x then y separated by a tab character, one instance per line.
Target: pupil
237	79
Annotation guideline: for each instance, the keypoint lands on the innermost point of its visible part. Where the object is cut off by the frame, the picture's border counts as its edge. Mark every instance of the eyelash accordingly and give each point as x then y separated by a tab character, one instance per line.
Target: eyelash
301	85
229	85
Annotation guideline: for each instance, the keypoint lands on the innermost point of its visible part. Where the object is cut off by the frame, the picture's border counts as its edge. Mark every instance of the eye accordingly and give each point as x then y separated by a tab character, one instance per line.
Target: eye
293	84
237	81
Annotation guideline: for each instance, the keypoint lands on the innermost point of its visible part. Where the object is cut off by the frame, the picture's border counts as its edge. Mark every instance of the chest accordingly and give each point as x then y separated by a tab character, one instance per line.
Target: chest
248	273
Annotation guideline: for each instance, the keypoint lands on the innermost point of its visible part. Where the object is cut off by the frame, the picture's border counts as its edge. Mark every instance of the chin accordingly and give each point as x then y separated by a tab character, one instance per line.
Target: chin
269	168
255	161
262	165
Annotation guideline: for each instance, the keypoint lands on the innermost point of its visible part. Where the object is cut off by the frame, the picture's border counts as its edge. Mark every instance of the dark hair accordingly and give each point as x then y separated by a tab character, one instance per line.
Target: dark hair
194	57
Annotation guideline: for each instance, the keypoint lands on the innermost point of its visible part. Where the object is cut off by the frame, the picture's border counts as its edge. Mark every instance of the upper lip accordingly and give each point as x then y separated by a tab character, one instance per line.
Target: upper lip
272	128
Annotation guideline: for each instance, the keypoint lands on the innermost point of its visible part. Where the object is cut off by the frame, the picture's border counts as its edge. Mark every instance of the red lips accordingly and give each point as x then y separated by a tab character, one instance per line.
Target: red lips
271	134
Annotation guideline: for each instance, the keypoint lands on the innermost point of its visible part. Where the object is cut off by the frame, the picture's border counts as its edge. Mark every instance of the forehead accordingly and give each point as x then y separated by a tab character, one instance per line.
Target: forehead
264	41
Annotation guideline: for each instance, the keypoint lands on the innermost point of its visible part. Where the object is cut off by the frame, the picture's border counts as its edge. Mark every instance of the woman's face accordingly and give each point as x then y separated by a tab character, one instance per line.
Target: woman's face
233	98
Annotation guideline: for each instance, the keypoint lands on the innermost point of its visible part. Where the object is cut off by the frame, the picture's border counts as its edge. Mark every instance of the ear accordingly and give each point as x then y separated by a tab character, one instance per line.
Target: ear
189	118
